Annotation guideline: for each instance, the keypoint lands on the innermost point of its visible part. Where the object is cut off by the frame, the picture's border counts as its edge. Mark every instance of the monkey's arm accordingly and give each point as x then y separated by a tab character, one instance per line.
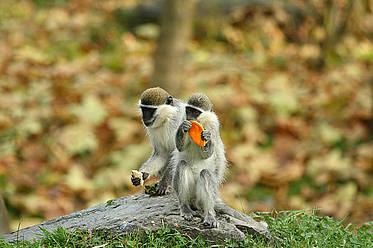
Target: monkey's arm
181	137
207	150
154	164
166	179
151	167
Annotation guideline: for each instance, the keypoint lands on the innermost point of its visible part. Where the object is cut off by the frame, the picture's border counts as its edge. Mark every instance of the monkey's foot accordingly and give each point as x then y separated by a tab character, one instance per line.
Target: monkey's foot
210	222
187	216
161	188
150	190
186	212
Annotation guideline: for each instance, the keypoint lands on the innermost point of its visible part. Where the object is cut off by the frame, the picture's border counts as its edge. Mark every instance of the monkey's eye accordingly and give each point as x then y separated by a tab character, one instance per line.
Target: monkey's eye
147	112
169	100
192	112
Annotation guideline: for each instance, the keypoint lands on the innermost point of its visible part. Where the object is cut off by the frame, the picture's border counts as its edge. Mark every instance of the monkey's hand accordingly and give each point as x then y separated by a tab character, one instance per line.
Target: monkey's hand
206	135
186	126
136	181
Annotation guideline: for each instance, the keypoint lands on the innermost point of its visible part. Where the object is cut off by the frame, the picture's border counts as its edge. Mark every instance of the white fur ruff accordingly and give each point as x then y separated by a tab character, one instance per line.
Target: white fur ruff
162	136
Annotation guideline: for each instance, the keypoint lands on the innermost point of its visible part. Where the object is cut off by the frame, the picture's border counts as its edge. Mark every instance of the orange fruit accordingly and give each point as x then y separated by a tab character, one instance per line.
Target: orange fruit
195	133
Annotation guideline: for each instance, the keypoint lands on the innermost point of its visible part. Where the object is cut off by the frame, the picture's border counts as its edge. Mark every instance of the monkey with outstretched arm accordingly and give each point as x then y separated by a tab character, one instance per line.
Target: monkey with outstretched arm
199	170
161	115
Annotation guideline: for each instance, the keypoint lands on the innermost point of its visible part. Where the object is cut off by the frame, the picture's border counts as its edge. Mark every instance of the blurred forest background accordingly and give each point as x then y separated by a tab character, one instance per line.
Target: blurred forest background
291	82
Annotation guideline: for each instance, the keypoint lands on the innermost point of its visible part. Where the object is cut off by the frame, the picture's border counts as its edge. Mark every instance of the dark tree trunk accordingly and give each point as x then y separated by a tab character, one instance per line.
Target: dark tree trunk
370	81
170	55
4	223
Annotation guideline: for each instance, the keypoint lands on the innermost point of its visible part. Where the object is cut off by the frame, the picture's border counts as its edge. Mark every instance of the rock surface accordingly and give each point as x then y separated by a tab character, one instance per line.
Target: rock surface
141	212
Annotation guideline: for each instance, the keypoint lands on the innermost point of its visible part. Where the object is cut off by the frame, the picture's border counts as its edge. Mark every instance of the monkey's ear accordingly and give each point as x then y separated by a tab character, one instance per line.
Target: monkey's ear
169	100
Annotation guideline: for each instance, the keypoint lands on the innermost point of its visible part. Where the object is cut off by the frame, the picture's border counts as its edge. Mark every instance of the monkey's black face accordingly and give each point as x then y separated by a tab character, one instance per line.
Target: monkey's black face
192	113
148	115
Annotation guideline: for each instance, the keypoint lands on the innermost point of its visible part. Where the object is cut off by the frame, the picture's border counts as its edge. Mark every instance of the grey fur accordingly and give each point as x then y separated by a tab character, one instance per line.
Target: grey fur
199	170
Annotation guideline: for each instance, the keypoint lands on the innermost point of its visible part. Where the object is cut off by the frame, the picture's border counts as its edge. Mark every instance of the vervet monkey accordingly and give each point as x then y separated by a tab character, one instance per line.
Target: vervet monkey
161	116
199	169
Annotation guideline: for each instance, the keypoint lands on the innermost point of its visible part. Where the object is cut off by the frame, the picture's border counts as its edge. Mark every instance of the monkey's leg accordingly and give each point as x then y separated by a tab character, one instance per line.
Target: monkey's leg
206	194
183	184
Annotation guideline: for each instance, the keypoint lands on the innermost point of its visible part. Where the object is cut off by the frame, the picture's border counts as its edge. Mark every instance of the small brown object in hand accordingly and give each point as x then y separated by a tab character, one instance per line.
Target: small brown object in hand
138	174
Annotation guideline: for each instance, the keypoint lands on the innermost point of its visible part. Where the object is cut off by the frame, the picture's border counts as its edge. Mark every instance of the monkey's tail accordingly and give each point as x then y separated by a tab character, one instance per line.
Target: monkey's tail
222	208
246	223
